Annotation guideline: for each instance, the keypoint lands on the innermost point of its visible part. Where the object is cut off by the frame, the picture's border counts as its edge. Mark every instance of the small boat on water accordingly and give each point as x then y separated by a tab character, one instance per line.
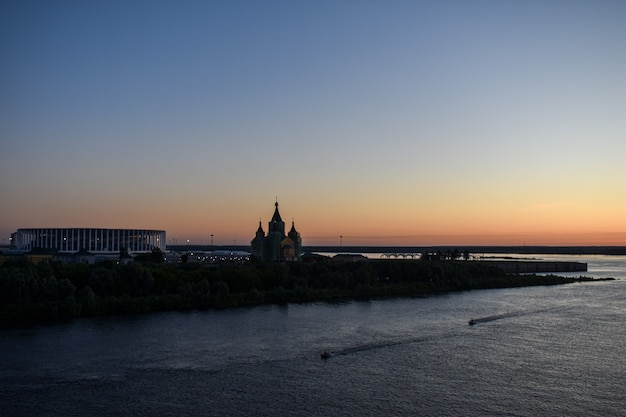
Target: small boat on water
471	322
326	354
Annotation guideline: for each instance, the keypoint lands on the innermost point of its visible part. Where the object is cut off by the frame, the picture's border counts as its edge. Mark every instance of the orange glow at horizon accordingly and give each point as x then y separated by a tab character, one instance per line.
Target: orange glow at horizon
395	228
453	219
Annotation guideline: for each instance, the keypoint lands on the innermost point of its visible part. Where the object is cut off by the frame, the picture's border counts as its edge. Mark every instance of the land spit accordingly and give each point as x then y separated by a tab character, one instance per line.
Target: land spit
530	267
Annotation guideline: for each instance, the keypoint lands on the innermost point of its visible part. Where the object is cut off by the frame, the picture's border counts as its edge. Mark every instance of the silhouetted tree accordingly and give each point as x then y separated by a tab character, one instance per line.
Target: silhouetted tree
154	257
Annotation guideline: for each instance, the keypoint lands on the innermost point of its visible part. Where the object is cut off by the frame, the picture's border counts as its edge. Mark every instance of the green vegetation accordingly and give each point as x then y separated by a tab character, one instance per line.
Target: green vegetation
49	292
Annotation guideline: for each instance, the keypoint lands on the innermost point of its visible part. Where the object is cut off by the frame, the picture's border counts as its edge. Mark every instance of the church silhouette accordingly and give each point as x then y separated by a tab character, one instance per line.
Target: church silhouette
277	246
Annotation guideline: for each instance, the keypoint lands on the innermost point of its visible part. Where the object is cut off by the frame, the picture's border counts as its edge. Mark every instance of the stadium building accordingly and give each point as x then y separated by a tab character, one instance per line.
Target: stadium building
96	241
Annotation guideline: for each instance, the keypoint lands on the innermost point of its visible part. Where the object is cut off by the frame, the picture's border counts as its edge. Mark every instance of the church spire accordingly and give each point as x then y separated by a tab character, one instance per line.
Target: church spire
276	216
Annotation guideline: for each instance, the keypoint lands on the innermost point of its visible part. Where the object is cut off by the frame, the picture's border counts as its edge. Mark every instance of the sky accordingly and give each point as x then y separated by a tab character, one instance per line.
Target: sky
383	122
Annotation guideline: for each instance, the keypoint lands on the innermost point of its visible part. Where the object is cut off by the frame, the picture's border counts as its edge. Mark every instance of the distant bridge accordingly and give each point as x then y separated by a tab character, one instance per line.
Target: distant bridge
397	255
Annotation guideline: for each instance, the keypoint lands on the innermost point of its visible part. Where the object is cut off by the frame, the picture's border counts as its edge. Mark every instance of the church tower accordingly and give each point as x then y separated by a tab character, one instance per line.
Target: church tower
294	235
277	224
258	243
275	235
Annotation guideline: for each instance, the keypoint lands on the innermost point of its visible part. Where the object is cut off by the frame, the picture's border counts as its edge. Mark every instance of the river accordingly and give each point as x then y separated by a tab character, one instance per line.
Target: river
536	351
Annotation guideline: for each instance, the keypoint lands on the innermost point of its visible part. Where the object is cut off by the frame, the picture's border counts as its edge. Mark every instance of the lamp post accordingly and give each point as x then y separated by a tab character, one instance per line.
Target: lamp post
211	240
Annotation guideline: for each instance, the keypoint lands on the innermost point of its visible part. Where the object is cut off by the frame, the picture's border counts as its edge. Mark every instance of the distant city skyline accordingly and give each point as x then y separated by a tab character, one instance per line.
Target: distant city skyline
387	123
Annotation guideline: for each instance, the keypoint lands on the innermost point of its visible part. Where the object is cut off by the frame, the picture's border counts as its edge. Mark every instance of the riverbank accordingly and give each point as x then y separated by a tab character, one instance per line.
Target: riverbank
42	293
529	267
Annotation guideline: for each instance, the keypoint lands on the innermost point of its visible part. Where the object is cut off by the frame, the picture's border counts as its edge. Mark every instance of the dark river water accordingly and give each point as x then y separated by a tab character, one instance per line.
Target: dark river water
538	351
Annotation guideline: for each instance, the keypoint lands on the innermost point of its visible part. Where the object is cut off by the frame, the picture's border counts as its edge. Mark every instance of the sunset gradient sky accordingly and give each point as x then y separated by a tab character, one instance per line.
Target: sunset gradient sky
385	122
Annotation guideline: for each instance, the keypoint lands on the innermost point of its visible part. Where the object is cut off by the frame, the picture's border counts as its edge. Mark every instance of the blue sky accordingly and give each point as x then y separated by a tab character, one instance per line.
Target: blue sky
401	120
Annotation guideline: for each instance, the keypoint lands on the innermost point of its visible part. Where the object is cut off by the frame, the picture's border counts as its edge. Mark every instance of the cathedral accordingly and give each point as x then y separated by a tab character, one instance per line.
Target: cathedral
276	246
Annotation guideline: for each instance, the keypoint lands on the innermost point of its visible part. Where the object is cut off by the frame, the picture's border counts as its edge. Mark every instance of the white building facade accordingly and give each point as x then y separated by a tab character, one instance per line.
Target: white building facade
97	241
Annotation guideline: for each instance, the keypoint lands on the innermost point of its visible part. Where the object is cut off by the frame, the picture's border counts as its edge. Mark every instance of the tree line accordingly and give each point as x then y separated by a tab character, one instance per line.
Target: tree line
49	291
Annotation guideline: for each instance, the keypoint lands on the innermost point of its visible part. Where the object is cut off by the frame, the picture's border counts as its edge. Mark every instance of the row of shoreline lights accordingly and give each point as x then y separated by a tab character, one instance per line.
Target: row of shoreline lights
188	241
176	241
